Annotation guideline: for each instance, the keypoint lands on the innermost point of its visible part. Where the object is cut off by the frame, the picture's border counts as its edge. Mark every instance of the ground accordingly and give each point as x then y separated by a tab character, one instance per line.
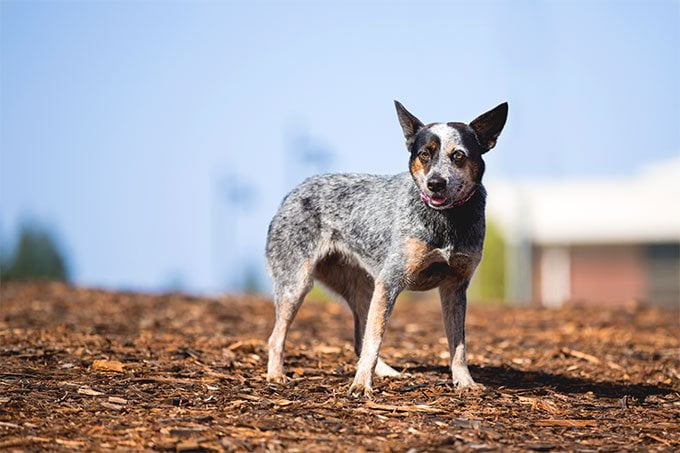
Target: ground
91	370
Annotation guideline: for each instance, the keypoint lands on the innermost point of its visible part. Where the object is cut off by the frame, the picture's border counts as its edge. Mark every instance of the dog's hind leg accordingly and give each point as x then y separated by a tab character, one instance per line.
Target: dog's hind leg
289	292
355	285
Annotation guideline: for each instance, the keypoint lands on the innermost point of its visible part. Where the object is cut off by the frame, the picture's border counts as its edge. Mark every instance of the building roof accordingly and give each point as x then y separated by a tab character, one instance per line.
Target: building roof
642	208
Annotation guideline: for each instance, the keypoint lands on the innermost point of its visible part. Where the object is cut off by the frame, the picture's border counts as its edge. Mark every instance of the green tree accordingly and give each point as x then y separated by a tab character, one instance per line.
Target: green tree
37	256
3	256
488	284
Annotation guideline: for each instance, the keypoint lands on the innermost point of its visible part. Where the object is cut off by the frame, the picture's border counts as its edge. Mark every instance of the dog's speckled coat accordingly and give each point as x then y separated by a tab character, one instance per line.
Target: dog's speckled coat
370	237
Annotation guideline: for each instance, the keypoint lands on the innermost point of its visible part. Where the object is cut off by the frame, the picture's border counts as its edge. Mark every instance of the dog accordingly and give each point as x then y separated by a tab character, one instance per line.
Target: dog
369	237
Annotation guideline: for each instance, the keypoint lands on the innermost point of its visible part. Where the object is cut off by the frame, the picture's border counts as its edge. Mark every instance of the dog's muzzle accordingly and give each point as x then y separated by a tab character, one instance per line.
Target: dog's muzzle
446	204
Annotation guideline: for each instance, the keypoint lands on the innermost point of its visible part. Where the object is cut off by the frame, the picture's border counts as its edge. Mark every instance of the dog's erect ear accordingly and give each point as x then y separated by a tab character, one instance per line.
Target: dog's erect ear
409	123
488	126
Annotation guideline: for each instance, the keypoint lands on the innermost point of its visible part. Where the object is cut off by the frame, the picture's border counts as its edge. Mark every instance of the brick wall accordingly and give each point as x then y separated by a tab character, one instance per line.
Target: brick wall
608	274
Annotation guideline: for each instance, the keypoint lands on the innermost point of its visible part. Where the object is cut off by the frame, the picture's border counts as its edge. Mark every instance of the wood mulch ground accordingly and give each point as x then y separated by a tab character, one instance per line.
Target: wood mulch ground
92	370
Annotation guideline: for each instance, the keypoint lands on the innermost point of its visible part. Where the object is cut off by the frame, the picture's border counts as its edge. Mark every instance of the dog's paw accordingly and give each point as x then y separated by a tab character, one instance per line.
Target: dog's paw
359	390
470	387
278	378
463	381
384	370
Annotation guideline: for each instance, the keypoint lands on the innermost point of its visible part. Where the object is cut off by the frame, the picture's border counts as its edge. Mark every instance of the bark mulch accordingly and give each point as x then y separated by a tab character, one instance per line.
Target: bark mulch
84	369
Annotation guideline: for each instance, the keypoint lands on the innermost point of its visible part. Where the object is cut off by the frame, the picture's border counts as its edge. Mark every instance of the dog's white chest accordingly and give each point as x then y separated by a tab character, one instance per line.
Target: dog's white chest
459	262
421	257
445	253
450	256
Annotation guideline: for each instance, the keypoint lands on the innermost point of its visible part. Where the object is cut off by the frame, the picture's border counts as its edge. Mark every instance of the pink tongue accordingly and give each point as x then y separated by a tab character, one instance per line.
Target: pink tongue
436	201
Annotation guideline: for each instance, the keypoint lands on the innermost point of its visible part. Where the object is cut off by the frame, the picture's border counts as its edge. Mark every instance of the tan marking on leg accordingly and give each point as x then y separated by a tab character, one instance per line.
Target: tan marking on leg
375	325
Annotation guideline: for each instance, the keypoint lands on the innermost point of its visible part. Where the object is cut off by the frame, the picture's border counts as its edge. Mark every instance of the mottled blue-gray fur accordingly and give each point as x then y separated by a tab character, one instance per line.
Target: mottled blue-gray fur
370	237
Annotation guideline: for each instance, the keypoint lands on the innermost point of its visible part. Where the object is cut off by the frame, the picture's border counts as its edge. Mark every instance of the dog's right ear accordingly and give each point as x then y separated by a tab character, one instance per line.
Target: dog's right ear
409	123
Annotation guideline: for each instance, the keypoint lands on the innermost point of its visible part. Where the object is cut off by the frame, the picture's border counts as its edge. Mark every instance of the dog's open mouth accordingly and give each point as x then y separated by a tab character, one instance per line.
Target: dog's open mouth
435	202
438	201
444	202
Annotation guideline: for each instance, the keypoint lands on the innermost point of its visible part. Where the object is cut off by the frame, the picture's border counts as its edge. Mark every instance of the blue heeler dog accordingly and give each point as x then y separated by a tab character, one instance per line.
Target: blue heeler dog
370	237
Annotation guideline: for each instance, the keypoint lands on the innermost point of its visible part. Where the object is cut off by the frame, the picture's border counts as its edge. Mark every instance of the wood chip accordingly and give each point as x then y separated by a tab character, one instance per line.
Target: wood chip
249	397
9	425
183	431
411	408
614	365
540	403
566	422
108	365
582	355
115	407
656	438
325	349
70	443
88	391
247	346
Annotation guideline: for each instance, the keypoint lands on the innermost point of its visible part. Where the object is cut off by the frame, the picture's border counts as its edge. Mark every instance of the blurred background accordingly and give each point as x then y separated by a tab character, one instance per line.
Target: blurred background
146	145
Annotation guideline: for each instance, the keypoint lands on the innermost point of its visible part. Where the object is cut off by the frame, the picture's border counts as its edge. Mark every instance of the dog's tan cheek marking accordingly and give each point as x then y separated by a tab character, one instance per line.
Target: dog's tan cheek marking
417	166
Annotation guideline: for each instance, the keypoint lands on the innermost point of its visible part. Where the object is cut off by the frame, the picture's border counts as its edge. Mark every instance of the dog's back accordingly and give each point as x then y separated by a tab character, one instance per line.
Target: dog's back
353	213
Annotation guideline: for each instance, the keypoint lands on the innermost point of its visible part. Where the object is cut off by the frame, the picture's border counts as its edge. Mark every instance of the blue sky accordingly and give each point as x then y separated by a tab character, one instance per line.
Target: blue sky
121	123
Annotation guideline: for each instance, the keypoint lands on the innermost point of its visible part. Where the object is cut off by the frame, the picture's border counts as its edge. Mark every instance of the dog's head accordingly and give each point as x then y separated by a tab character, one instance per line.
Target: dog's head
446	158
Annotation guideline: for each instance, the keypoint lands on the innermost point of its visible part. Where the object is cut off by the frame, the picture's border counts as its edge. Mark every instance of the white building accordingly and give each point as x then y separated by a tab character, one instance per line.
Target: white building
592	240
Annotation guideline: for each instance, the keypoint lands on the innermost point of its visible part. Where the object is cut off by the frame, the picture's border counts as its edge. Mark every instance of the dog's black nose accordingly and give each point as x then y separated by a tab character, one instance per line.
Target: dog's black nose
436	183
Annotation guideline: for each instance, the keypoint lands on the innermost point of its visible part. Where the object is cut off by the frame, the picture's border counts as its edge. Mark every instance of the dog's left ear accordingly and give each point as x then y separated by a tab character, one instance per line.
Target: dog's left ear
488	126
409	123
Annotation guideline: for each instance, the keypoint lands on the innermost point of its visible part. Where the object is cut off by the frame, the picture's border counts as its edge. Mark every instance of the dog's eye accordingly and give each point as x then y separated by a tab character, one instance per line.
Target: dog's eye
424	155
458	157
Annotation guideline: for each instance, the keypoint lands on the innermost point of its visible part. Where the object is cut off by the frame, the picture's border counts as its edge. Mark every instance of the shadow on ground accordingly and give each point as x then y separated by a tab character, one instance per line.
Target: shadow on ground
506	377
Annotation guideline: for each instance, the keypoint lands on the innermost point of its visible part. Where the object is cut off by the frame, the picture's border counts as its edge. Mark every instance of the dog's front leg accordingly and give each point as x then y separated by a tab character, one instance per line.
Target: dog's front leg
378	313
454	303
